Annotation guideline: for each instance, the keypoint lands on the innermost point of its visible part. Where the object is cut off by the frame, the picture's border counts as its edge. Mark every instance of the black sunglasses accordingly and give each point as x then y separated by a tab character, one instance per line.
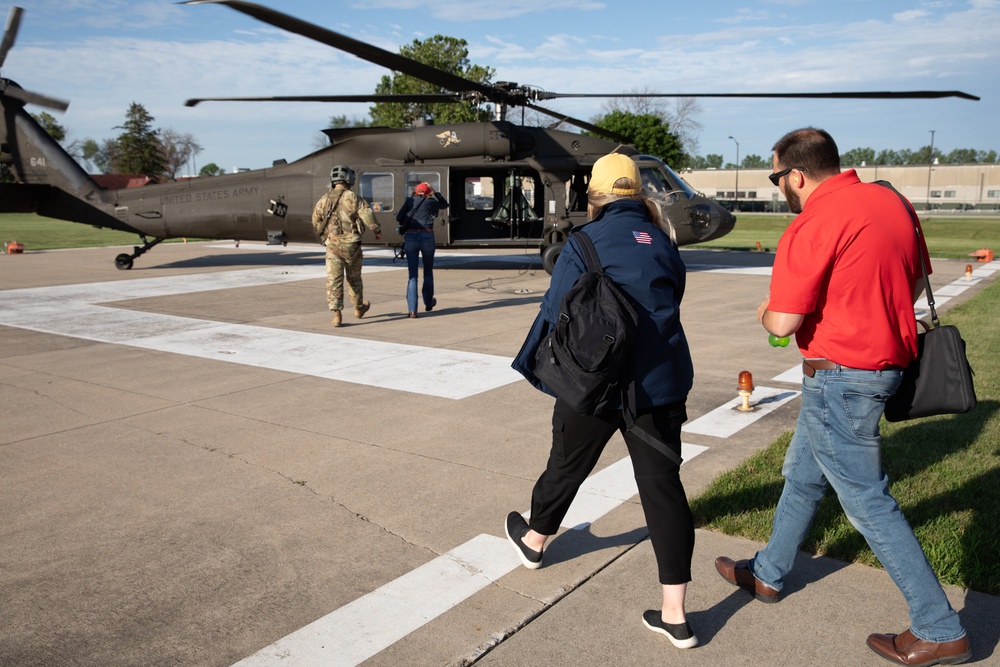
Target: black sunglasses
776	176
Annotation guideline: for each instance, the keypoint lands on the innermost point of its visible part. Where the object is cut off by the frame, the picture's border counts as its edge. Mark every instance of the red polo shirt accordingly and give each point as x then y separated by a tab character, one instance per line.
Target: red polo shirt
848	263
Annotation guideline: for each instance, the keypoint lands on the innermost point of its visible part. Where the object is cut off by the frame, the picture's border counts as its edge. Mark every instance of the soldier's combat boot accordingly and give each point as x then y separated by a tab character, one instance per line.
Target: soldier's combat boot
360	311
336	318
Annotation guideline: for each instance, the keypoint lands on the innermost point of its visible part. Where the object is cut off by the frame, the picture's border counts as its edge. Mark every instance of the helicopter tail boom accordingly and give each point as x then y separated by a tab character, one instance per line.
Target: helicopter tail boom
49	181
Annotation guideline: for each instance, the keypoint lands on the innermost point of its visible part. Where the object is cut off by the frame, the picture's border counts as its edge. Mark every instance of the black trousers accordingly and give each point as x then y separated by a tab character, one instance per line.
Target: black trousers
577	443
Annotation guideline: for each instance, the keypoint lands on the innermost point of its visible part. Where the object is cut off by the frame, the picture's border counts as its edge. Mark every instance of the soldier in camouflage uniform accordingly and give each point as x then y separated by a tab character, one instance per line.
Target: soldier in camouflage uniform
340	218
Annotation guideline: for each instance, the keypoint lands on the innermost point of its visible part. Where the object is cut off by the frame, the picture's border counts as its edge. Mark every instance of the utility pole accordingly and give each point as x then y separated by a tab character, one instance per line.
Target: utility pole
737	186
930	168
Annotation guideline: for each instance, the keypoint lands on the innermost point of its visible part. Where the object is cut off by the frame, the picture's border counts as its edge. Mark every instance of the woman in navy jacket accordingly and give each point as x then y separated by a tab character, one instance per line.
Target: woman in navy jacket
636	251
416	219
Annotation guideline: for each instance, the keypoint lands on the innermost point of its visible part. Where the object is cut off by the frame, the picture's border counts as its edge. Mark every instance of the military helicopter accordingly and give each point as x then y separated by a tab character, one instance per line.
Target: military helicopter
508	185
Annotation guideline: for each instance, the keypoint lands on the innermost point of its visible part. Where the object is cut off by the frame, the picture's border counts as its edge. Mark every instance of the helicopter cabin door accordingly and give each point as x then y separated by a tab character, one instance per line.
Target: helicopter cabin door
495	203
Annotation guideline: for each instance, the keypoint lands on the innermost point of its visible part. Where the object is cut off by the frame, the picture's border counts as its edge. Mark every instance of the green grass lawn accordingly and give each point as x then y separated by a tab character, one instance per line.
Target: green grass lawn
944	471
946	237
39	233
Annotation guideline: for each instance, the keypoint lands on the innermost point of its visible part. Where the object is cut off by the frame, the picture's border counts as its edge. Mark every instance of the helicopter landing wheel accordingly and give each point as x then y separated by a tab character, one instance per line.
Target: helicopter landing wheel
123	262
550	255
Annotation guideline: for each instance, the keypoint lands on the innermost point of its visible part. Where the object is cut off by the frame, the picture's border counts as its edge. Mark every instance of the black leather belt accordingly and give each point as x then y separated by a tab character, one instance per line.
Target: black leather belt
810	366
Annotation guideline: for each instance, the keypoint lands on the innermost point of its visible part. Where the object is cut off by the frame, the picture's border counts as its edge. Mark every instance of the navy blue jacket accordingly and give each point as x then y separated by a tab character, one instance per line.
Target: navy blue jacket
423	212
642	260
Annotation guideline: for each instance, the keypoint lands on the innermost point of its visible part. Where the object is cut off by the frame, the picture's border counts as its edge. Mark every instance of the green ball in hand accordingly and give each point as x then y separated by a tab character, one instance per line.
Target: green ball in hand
775	341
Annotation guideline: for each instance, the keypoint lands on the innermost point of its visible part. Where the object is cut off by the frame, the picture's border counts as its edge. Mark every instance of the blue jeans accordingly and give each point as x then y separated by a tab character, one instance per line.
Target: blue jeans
837	441
424	243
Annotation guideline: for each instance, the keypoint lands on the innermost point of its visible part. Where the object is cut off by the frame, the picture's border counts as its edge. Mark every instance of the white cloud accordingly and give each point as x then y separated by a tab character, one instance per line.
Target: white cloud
479	10
911	15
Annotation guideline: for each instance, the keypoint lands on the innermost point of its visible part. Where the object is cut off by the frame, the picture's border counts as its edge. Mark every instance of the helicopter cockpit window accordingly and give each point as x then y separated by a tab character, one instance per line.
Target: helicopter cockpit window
415	178
376	189
479	194
660	182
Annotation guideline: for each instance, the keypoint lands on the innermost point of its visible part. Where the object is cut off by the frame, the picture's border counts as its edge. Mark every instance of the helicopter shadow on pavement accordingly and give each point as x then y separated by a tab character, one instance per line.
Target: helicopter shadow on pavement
248	259
706	260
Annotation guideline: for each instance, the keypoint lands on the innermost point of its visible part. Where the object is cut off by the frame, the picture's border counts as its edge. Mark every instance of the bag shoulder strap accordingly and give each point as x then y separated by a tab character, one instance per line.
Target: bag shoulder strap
330	208
413	212
590	255
927	279
628	396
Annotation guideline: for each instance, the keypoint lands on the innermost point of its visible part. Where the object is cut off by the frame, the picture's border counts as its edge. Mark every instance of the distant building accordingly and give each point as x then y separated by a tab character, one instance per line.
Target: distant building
939	187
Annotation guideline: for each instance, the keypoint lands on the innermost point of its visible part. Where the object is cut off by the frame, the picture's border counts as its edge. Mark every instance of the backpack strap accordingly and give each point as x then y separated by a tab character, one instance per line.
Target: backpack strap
589	252
628	395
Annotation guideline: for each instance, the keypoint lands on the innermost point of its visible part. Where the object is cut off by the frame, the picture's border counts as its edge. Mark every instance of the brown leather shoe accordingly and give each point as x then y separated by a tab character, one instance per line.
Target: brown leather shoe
359	311
738	573
336	318
907	649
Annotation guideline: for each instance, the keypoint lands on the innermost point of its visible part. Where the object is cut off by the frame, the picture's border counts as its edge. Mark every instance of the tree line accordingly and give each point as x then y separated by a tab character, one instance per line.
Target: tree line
857	157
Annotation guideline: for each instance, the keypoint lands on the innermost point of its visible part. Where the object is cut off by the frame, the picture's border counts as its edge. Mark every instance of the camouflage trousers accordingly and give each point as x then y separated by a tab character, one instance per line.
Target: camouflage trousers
343	258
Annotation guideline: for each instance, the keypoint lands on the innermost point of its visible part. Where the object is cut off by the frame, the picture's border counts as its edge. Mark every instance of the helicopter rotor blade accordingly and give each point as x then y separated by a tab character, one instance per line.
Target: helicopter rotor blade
372	54
884	95
10	32
10	89
503	94
593	129
414	98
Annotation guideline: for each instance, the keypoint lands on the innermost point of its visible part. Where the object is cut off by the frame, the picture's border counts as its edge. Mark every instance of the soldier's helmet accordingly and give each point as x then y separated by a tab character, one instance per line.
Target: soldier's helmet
341	174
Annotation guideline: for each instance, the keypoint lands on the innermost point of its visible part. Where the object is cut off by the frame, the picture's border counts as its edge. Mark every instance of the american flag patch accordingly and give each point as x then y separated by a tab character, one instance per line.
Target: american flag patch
643	237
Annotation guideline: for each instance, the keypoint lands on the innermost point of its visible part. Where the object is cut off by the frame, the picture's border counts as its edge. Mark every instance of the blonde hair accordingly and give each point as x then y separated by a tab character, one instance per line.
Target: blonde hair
597	201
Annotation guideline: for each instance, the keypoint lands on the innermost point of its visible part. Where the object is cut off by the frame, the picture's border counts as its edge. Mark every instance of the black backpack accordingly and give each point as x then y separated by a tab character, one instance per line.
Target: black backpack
585	360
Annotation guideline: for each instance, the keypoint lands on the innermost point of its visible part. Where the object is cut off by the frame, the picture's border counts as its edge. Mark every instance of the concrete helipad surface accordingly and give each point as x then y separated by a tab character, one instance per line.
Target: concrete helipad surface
197	469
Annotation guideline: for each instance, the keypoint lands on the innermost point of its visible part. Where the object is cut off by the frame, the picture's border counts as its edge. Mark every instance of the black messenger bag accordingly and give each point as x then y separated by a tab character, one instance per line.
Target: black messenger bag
939	380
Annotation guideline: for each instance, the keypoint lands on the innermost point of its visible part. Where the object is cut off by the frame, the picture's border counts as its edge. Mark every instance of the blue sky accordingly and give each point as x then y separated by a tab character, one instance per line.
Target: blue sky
102	55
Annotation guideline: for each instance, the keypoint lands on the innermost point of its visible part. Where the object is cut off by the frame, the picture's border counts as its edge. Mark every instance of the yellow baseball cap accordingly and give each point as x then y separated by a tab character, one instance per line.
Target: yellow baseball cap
609	169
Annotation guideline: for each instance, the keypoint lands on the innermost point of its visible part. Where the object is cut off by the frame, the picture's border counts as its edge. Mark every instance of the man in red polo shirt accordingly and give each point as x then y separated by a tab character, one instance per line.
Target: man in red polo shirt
844	281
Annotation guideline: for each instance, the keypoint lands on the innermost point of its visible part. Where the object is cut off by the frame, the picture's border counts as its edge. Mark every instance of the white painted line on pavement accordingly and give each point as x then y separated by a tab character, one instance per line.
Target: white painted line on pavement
75	310
360	629
793	375
737	270
952	289
726	420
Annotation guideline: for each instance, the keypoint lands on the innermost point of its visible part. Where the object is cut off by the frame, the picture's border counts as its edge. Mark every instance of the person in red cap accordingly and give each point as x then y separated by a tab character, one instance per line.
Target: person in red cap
416	221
